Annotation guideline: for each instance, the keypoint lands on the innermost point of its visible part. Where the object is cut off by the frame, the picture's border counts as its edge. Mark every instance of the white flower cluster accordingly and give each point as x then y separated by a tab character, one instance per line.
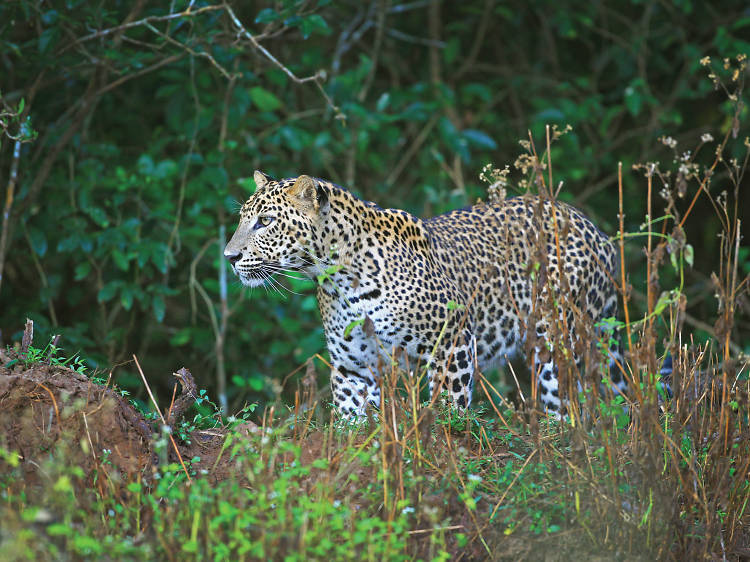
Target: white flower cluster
668	141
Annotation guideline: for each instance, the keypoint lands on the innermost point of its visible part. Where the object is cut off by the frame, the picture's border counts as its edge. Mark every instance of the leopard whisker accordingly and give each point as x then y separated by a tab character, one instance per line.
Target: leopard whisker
287	289
281	287
317	260
269	281
287	273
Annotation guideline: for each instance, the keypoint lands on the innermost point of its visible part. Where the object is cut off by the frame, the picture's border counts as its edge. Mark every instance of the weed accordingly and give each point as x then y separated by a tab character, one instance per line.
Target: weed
49	355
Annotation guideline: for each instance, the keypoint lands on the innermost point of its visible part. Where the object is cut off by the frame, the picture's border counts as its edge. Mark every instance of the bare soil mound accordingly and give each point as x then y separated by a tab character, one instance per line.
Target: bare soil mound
44	407
48	411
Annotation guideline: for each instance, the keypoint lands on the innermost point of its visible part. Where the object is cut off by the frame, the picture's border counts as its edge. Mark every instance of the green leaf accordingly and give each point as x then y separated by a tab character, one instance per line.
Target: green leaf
480	139
665	299
454	139
634	97
13	47
352	325
38	241
108	291
247	184
181	337
146	165
59	530
159	257
126	298
165	169
68	244
216	176
45	39
263	99
63	484
689	254
121	260
451	50
267	15
82	270
98	216
144	253
309	303
481	91
160	307
314	23
49	17
383	101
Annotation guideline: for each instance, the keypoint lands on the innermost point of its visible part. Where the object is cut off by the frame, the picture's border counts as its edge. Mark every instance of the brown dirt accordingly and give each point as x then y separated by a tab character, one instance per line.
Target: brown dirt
48	410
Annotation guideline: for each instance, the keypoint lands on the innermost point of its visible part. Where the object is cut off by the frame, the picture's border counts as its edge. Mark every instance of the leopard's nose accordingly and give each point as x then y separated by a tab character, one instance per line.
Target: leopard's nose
233	257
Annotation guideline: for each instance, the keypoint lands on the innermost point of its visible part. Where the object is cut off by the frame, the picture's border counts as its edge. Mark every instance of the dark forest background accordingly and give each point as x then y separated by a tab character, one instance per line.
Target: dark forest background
129	133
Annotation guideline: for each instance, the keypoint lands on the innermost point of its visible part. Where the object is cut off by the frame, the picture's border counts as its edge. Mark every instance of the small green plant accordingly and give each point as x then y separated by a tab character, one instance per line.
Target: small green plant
49	355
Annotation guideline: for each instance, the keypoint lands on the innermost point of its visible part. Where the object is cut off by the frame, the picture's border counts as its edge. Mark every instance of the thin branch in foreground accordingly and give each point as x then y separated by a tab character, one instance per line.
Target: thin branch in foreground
9	195
164	421
318	77
140	22
244	32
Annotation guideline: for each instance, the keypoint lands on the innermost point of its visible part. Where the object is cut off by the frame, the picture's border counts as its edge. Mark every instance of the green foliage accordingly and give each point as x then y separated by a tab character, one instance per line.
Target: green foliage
50	355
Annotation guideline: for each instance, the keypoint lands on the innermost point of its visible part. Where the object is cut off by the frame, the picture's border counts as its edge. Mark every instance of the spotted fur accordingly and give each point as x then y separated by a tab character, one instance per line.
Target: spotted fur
393	276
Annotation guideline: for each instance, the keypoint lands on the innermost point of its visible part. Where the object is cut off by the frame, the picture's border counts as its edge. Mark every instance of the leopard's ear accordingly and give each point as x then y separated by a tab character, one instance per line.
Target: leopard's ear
309	193
303	188
261	179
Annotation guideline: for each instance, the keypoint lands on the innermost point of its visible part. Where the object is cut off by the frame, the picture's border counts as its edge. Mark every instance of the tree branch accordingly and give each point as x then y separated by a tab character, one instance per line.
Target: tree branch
9	194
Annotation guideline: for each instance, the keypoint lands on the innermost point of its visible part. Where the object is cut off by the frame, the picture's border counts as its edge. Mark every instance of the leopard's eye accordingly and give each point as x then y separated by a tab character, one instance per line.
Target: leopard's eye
263	221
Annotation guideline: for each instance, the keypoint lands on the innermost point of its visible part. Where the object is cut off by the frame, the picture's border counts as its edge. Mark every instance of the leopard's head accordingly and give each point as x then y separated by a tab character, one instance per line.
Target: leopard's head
276	227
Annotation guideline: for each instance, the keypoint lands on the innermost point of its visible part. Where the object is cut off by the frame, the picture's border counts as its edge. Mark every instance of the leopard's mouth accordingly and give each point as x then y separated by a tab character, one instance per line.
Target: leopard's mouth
252	278
264	273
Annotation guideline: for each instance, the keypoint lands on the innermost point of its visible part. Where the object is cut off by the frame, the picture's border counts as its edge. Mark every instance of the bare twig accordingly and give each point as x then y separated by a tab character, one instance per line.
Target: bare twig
241	30
174	234
407	6
401	36
57	410
434	26
163	420
377	47
221	374
141	22
9	195
478	39
28	336
412	150
120	81
193	52
317	78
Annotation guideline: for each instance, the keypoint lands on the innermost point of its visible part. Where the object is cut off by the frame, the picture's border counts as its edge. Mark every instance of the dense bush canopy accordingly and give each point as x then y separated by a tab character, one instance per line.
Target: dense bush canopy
131	132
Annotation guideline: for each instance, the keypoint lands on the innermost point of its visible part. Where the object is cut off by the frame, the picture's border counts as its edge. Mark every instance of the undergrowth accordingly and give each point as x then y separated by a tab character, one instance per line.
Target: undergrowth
656	474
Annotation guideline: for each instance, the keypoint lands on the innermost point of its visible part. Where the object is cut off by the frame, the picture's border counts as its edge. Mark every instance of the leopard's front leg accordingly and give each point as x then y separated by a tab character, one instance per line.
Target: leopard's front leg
353	390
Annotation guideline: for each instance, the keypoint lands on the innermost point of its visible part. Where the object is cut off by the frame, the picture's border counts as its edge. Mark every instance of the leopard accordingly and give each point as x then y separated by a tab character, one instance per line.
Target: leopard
458	293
